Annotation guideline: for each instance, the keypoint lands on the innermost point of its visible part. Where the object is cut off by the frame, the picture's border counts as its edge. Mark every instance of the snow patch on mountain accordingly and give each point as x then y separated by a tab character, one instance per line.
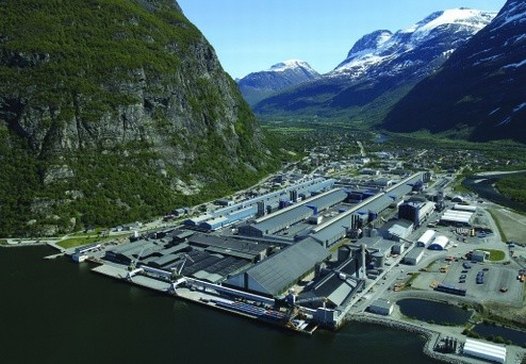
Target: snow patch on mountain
516	65
519	107
382	46
288	65
515	13
461	16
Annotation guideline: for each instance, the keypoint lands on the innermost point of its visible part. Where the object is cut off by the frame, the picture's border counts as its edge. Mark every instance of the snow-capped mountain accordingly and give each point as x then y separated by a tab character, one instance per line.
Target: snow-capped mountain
381	67
436	36
280	76
480	88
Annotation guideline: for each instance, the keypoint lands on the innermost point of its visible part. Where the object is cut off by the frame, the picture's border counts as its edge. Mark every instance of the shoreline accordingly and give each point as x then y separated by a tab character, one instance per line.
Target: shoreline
431	336
23	245
516	354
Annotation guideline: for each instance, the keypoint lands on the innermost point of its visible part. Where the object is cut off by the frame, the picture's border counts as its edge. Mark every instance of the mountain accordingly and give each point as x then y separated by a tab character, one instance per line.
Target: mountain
479	92
258	85
380	68
112	111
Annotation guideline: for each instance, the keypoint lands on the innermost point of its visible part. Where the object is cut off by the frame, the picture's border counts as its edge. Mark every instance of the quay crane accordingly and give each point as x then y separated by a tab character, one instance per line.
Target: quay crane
132	270
179	271
177	278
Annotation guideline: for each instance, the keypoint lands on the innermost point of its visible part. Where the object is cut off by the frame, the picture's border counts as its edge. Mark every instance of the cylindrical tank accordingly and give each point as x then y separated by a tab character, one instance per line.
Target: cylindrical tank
379	259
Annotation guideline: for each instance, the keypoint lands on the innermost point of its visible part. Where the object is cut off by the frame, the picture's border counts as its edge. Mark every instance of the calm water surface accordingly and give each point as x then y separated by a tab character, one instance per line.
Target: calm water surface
516	336
60	312
440	313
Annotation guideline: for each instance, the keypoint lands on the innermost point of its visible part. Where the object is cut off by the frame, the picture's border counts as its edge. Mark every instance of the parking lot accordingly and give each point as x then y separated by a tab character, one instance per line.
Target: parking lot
499	283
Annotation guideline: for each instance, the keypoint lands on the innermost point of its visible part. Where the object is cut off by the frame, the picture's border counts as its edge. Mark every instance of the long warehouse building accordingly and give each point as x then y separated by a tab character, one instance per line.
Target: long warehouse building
274	275
231	214
280	219
333	230
485	351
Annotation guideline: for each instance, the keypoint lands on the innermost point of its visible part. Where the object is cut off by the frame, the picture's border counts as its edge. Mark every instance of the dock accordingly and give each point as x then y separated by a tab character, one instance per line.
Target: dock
207	296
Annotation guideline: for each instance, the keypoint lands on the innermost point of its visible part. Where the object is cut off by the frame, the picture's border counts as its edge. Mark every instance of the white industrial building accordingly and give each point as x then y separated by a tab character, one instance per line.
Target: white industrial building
401	229
426	239
439	243
457	217
485	351
468	208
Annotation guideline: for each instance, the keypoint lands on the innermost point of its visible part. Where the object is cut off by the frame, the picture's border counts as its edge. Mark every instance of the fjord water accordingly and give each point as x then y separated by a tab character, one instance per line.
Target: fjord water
61	312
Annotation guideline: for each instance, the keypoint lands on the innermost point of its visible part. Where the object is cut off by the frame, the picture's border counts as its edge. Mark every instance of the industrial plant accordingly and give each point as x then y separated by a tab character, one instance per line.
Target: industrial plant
295	256
314	252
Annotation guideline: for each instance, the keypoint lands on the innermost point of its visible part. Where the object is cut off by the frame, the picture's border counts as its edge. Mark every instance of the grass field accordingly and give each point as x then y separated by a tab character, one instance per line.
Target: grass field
495	255
87	239
511	225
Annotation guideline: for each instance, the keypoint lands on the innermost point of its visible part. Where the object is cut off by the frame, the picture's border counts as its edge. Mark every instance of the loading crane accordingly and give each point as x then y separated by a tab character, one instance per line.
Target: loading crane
177	272
177	278
132	270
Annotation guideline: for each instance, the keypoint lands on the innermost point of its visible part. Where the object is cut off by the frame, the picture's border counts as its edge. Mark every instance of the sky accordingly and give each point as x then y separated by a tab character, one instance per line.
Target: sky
252	35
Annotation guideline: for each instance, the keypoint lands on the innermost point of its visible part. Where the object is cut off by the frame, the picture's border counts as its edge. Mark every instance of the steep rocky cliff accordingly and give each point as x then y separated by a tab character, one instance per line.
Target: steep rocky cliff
113	110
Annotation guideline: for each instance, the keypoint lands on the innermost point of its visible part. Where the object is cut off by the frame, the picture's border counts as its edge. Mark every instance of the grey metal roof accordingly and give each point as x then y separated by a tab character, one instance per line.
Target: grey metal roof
415	253
249	249
229	252
336	227
381	303
278	272
289	217
165	260
174	249
315	184
334	287
300	212
132	249
332	231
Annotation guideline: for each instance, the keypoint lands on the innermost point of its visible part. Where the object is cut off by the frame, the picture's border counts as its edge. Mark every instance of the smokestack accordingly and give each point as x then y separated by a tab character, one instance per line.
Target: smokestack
364	271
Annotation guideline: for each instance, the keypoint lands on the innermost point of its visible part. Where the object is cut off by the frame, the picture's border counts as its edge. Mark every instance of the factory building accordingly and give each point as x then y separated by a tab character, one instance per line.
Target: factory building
126	253
439	243
196	221
224	221
381	307
378	250
398	248
398	230
286	217
456	217
261	204
468	208
228	246
333	230
274	275
335	288
414	256
426	238
416	211
485	351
